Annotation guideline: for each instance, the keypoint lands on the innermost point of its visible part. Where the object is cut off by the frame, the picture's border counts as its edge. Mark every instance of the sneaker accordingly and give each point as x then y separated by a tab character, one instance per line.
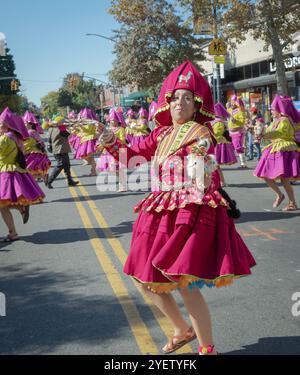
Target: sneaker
49	186
73	183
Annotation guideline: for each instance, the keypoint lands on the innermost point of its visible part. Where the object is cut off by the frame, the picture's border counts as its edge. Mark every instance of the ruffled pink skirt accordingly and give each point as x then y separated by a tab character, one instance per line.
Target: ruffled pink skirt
86	149
224	153
19	189
37	163
278	164
193	246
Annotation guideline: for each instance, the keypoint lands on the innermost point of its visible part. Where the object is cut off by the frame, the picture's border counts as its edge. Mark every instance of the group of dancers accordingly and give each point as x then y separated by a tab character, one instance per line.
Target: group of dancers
184	237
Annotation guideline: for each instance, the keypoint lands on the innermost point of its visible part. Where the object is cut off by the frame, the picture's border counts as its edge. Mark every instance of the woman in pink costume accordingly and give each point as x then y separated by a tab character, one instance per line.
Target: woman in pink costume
106	162
224	150
29	117
130	117
37	161
88	139
236	125
280	159
18	189
138	131
183	237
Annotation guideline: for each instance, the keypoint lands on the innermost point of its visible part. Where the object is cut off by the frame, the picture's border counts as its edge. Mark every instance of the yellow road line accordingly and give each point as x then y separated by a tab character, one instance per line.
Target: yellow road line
121	254
137	325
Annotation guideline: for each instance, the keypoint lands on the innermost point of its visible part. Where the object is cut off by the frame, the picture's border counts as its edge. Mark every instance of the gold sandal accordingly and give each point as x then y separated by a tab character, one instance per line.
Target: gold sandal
179	340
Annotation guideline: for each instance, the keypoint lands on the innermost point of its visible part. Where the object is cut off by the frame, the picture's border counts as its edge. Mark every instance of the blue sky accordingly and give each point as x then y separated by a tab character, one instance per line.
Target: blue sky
47	39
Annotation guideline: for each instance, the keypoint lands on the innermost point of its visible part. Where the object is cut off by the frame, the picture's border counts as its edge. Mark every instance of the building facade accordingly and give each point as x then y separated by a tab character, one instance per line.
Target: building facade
250	72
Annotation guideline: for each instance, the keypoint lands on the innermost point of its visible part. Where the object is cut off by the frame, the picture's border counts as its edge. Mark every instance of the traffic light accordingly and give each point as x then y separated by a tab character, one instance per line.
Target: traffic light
14	85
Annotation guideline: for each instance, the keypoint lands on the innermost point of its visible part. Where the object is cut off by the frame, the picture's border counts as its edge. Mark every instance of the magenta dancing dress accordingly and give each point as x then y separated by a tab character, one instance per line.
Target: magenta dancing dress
88	140
17	186
281	158
224	151
37	162
182	237
106	162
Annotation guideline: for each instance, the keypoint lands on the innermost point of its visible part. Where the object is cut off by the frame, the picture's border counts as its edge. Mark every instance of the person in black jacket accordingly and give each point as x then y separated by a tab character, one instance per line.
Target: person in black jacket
58	139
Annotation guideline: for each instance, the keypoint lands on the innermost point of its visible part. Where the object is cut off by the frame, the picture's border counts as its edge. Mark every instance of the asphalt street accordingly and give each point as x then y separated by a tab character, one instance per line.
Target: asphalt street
65	292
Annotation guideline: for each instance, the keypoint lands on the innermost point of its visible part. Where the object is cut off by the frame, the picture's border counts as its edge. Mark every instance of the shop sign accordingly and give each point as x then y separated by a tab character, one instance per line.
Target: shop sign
290	62
219	59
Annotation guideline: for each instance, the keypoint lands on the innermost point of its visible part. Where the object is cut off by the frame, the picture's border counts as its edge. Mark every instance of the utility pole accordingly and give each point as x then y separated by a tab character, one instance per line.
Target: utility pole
216	66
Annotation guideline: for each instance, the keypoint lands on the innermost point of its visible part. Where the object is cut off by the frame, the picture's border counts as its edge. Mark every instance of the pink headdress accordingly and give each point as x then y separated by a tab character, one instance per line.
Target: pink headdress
220	111
88	114
113	116
121	118
285	106
30	117
152	109
14	122
143	113
72	115
130	113
238	101
185	77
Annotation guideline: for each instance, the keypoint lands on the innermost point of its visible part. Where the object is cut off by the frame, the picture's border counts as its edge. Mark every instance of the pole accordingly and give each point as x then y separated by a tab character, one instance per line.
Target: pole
217	96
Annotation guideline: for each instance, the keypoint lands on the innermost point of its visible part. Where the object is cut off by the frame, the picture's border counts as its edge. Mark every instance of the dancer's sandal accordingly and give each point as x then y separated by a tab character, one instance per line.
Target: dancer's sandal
178	341
290	207
10	238
278	201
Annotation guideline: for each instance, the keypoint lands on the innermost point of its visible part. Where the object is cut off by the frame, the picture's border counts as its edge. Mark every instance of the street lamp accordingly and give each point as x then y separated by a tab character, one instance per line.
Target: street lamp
102	36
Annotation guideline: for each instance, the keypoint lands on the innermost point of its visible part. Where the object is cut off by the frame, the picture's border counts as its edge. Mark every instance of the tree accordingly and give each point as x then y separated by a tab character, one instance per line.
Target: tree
273	21
8	97
49	104
75	94
151	42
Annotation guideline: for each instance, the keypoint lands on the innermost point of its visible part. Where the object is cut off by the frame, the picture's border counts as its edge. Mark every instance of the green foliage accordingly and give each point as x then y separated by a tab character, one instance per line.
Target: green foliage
151	42
273	21
7	96
75	93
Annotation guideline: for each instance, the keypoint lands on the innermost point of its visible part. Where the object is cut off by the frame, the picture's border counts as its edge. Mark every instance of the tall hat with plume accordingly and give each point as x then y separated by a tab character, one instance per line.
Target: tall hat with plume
29	117
220	111
87	113
185	77
130	113
143	113
14	122
284	105
113	116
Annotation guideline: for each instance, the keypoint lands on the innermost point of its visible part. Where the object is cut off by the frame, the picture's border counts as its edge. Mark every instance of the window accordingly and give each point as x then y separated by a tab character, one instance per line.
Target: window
248	72
255	70
240	73
264	68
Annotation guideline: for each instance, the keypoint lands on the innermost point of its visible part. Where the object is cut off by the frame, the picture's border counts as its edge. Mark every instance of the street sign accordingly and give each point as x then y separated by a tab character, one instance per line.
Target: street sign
219	59
217	47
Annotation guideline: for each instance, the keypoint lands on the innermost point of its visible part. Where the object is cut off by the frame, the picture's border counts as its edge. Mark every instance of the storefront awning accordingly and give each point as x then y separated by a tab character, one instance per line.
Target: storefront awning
258	81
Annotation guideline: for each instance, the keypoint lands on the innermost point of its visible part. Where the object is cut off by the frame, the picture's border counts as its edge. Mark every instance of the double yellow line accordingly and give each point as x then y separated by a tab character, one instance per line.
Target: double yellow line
138	327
